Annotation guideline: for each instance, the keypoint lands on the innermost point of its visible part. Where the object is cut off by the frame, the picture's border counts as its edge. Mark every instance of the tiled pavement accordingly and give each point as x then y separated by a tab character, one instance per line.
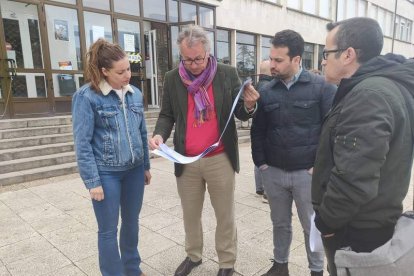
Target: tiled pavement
47	227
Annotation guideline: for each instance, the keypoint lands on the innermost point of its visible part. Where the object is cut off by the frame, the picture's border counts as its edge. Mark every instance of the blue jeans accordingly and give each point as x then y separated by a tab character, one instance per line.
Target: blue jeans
122	190
282	187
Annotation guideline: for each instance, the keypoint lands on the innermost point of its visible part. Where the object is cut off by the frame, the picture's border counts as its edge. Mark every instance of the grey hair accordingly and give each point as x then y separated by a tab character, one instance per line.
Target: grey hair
194	34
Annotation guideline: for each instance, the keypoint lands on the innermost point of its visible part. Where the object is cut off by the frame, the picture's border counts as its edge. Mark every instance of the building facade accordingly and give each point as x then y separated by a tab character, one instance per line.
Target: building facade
43	42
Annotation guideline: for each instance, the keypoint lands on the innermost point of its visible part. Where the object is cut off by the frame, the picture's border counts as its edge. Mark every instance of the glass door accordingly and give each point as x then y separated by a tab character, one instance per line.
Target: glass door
21	35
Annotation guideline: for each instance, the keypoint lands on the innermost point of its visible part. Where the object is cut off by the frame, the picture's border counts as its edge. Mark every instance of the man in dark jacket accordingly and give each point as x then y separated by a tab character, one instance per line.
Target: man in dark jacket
363	165
285	134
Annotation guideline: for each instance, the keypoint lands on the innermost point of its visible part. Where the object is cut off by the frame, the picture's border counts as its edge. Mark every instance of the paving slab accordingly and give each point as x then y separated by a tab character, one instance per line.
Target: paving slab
47	227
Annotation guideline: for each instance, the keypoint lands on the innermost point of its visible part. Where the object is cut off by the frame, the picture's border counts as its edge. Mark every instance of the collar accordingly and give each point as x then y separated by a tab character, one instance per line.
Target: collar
294	79
106	88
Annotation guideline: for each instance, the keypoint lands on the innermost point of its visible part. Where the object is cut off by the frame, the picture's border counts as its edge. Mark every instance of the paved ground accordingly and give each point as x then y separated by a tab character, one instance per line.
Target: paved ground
47	227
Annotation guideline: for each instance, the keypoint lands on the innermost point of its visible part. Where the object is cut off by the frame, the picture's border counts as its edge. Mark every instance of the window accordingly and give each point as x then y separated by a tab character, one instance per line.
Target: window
266	45
188	12
223	46
97	4
320	8
245	55
307	57
206	17
97	26
173	10
384	18
351	8
403	28
154	9
128	7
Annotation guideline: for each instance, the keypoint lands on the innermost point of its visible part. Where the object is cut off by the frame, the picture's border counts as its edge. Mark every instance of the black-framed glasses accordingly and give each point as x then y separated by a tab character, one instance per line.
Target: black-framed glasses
325	53
197	61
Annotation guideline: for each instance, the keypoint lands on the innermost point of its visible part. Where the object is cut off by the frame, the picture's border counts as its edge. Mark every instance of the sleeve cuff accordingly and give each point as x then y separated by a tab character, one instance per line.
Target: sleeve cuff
251	111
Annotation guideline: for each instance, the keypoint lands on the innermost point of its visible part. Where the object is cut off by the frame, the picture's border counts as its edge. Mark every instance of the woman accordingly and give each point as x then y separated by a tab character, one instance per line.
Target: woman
112	154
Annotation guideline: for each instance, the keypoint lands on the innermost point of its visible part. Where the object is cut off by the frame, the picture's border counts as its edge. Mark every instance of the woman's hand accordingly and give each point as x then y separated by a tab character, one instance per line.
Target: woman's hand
97	193
147	177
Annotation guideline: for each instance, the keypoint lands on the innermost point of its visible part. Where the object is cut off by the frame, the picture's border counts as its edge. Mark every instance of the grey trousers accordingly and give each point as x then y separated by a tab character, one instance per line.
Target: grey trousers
282	187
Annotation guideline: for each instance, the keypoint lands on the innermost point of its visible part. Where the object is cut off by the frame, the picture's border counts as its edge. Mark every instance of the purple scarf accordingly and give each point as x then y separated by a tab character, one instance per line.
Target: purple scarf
197	87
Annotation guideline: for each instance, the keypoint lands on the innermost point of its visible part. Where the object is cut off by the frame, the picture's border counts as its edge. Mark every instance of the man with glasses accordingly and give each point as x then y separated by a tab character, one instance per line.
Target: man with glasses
197	99
363	165
285	134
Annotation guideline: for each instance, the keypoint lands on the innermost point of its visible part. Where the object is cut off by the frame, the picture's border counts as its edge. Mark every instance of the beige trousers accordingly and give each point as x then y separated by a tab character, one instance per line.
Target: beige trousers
217	172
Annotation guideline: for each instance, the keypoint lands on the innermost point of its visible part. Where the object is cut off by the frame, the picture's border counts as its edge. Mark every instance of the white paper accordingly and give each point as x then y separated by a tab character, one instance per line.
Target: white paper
98	32
129	43
170	154
315	240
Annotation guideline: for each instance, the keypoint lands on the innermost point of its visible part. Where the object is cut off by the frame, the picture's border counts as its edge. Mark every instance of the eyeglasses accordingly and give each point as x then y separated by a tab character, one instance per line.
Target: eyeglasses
197	61
325	53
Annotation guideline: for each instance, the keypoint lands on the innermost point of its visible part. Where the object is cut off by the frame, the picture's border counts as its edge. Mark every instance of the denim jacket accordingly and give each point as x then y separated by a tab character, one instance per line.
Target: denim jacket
109	135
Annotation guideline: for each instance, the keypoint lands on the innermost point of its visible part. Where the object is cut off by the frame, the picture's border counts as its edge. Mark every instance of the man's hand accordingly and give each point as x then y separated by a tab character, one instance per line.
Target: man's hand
155	142
147	177
97	193
250	96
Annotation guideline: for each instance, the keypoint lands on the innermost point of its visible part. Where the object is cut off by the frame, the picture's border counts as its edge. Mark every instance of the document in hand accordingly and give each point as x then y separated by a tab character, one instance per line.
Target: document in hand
172	155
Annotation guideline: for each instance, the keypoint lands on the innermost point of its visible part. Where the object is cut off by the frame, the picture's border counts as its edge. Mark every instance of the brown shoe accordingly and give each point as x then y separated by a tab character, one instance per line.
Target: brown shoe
225	272
186	266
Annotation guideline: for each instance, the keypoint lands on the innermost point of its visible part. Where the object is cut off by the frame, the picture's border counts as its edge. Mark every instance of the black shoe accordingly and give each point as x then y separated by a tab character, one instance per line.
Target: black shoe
317	273
260	192
278	269
186	266
225	272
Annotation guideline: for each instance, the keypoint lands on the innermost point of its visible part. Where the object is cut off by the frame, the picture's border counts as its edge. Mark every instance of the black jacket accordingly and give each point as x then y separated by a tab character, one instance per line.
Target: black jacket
363	165
285	130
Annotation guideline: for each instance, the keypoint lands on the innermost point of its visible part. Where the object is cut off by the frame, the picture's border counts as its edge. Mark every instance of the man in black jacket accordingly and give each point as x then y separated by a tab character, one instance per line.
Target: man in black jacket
285	134
363	165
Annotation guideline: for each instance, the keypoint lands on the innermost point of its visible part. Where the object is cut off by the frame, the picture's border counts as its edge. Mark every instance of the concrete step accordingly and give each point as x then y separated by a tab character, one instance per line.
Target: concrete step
19	153
36	162
34	131
35	122
37	173
35	141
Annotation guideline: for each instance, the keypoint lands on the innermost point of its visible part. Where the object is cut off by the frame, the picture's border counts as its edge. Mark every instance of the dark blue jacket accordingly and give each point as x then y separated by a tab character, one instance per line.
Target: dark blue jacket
285	131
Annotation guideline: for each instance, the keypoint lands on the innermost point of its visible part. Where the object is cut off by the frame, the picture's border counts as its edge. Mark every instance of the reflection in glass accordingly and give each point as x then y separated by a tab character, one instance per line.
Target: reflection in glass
128	7
175	51
65	84
307	57
266	44
129	40
210	36
63	35
29	85
206	17
154	9
97	4
188	12
97	26
22	35
245	55
223	46
173	10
